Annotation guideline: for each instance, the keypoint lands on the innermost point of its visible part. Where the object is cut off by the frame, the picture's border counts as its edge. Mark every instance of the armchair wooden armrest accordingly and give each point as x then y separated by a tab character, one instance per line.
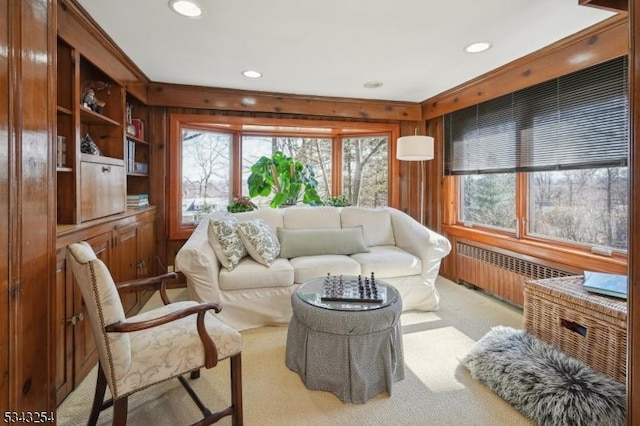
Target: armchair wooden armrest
153	281
210	350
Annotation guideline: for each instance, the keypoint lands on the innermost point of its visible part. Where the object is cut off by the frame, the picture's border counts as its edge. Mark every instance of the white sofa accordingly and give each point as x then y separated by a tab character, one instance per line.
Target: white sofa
400	251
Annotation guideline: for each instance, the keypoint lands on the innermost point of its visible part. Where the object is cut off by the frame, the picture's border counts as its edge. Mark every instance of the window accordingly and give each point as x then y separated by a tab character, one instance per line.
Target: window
587	206
489	200
206	178
210	159
365	170
552	156
313	151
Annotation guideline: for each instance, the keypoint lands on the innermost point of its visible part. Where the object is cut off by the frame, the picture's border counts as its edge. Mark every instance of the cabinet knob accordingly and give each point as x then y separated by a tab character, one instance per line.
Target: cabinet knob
76	319
106	169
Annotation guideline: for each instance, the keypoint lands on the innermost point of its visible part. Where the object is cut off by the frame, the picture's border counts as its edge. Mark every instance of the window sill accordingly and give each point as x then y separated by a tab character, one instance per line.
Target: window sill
546	250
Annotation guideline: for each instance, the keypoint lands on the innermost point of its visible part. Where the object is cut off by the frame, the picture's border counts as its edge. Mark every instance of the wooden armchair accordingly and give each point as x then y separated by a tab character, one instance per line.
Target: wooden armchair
152	347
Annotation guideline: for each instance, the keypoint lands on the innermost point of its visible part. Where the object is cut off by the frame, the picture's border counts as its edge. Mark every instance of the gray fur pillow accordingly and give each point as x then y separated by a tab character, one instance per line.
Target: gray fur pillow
543	383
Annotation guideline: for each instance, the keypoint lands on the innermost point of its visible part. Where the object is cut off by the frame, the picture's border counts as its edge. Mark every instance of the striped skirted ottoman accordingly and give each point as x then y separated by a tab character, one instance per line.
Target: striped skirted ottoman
353	350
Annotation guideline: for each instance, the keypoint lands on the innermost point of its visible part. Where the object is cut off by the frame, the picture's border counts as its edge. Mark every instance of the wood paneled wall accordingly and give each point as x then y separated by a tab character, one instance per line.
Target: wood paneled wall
27	214
4	207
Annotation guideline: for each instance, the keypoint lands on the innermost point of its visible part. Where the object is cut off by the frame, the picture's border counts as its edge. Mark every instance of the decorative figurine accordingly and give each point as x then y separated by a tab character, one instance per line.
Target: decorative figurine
89	98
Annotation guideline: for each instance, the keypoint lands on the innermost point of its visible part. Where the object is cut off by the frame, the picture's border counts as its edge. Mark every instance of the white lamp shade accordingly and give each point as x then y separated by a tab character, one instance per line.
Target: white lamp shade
415	148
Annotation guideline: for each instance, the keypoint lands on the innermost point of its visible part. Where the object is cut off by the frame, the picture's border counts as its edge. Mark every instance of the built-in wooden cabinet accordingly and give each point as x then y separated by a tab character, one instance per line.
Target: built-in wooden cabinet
126	244
101	144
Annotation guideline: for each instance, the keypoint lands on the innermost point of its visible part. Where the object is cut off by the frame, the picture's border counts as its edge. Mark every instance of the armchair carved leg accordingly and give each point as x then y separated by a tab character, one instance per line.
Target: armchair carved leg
120	411
98	398
236	390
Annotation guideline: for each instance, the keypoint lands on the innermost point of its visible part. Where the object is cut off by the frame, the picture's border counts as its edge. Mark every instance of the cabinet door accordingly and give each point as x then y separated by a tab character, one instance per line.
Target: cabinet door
146	254
85	353
102	189
125	259
63	330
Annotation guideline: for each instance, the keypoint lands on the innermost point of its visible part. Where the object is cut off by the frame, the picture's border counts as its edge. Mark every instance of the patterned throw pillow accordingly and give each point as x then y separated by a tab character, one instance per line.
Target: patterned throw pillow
259	240
225	241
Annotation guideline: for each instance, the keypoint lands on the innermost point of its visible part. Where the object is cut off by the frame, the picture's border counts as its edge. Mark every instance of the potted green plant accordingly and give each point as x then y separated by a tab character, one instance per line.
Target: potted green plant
241	204
336	201
288	179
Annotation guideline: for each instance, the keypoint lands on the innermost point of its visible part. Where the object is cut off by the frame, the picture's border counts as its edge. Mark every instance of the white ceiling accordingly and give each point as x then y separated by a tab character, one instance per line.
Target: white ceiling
332	47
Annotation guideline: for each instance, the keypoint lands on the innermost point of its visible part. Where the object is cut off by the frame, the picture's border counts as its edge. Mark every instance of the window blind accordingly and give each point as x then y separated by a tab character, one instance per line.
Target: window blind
580	120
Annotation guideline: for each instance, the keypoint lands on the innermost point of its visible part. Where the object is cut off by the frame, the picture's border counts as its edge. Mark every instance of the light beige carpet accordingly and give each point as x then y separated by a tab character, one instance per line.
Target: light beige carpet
437	389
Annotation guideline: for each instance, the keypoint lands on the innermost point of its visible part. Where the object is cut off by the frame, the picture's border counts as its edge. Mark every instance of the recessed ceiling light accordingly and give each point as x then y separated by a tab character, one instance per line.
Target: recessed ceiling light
188	8
478	47
252	74
372	84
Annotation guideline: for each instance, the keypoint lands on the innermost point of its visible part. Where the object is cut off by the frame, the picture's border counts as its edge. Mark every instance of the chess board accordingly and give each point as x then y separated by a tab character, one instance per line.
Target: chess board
348	290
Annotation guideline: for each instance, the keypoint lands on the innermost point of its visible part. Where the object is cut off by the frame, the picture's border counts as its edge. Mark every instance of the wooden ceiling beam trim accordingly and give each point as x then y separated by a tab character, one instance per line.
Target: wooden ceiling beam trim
601	42
613	5
184	96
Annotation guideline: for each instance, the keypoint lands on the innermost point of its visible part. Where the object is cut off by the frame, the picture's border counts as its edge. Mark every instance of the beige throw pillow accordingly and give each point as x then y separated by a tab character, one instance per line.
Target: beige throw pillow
225	241
311	242
259	240
376	224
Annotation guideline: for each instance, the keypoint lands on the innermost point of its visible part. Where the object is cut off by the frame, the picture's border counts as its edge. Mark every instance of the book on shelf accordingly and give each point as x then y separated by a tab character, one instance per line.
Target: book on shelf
606	284
140	167
131	156
140	205
138	125
61	149
137	200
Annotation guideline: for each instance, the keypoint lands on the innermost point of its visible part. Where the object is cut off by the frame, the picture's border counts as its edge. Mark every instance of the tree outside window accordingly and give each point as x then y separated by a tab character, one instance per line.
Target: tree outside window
489	200
365	170
587	206
206	174
315	152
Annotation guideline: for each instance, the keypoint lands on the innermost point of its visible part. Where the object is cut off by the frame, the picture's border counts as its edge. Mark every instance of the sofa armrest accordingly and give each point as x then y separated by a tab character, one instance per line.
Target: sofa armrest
420	241
198	262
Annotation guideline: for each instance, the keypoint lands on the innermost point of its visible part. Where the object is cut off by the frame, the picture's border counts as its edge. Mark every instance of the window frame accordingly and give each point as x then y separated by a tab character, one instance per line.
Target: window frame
557	251
239	126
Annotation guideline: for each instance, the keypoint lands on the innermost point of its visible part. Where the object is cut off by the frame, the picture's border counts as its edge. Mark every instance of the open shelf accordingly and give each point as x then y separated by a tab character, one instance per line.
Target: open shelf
91	117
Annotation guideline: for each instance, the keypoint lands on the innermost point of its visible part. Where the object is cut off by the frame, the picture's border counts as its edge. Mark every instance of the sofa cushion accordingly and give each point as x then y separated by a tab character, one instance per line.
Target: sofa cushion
251	274
259	240
272	216
309	267
376	224
388	262
309	242
305	217
225	241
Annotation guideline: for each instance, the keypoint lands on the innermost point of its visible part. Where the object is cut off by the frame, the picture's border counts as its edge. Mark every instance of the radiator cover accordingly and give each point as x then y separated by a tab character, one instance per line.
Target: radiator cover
499	273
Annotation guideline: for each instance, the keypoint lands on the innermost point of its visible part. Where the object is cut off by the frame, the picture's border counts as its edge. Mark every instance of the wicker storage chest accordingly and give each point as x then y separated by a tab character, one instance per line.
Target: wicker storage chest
588	327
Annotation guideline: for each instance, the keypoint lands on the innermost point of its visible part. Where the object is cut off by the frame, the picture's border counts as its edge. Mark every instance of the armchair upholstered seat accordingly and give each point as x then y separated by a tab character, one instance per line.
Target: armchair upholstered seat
155	346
